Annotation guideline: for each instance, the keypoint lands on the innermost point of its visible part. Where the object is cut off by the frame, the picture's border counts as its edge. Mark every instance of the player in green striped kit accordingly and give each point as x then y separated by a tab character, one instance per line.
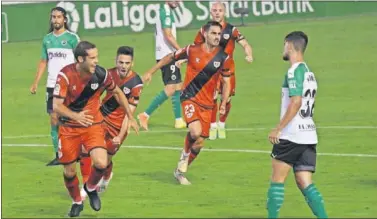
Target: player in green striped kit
57	52
295	137
166	43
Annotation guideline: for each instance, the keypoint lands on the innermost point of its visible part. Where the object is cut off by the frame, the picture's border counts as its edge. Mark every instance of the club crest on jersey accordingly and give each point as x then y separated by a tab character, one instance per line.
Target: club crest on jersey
197	60
126	90
57	89
226	36
216	64
64	42
94	86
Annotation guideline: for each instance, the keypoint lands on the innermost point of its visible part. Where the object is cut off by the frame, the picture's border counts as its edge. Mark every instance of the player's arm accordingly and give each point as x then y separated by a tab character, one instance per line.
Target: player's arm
295	87
240	39
60	93
170	38
225	72
175	56
41	69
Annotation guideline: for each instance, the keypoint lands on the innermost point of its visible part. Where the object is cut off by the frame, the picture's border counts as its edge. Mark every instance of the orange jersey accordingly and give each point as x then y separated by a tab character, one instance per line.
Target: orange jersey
229	36
81	94
131	86
202	73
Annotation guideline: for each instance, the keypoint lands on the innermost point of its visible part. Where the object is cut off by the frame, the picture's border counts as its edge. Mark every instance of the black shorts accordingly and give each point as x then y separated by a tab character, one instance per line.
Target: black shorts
171	74
302	157
49	97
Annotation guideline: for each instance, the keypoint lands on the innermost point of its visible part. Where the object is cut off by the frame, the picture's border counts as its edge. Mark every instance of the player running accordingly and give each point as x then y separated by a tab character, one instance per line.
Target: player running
230	35
295	137
77	102
166	42
116	122
206	62
57	52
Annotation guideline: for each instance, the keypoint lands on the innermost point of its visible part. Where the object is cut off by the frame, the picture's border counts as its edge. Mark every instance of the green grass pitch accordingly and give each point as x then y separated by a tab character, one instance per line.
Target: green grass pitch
341	52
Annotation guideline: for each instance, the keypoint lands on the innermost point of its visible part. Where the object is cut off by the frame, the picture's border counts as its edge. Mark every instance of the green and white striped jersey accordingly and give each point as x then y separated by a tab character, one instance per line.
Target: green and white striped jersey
166	20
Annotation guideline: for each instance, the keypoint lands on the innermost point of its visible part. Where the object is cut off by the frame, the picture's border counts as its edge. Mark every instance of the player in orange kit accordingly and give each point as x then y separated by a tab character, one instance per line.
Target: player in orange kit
205	63
230	35
116	122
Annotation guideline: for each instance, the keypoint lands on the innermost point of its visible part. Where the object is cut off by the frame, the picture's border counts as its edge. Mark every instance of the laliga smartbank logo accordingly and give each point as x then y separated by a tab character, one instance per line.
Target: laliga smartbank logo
136	16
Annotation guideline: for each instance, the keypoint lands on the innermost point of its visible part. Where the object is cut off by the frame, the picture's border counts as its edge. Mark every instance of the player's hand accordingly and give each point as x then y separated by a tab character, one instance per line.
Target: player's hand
222	109
33	88
249	59
180	62
116	140
134	125
84	119
274	136
147	78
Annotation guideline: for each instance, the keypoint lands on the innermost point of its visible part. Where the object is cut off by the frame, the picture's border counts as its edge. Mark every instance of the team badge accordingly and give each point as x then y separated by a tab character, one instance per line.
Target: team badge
64	42
216	64
173	77
57	89
197	60
226	36
126	90
94	86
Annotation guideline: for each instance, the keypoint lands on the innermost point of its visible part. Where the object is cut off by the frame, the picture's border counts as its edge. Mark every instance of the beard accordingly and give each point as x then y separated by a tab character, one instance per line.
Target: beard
58	26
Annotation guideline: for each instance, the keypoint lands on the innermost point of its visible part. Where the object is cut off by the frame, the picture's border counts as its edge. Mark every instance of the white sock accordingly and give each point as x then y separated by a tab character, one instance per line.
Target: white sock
213	125
79	203
222	125
180	118
89	189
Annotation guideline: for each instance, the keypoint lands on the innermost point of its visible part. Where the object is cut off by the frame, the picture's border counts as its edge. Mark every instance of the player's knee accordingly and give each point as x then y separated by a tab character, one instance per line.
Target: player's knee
99	158
199	143
195	134
303	180
101	163
70	170
169	90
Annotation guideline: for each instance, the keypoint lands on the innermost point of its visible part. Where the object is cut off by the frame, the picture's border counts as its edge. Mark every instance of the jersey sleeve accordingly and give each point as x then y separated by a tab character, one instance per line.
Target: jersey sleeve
199	39
135	95
181	53
296	81
109	83
61	86
75	40
236	34
44	55
165	18
225	70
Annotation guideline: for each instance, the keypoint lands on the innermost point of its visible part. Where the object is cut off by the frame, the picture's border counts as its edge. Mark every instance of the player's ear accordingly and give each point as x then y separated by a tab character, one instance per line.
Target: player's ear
80	59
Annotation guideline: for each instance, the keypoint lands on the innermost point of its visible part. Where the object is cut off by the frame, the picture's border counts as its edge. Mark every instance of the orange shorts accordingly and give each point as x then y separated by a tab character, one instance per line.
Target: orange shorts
110	133
194	112
71	140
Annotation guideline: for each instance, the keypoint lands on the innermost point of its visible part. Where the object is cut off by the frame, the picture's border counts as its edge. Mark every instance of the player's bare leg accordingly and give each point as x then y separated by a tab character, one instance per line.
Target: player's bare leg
222	120
100	162
280	171
54	137
312	196
72	184
176	102
213	128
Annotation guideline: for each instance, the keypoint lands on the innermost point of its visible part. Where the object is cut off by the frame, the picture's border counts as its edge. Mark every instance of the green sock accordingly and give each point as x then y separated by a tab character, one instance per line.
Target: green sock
275	199
176	101
157	101
315	201
54	137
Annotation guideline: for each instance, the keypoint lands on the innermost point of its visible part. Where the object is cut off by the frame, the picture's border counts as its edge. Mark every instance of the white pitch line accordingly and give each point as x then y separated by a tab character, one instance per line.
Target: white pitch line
206	149
185	130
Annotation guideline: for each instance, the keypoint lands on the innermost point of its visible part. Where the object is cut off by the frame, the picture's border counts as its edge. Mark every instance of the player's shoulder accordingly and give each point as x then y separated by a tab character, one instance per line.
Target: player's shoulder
297	70
48	36
112	71
72	35
101	71
164	10
137	79
68	69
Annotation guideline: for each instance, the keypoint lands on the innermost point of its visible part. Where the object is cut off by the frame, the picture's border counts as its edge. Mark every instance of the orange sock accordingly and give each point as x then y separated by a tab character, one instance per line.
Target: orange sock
194	154
108	171
72	185
95	176
85	166
189	141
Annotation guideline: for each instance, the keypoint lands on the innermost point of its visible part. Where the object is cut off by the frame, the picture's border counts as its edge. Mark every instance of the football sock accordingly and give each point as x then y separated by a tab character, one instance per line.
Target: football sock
72	184
227	110
214	112
54	137
85	167
194	154
189	141
315	201
275	199
109	169
157	101
176	101
95	176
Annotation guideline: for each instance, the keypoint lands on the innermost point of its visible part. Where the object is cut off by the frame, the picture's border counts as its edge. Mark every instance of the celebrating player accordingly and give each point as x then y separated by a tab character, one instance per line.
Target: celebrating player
57	51
230	35
115	118
295	138
166	42
205	64
77	101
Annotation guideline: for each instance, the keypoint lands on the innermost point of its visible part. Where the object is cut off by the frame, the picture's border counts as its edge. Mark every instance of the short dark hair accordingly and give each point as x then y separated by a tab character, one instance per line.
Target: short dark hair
64	12
126	50
299	40
82	49
211	24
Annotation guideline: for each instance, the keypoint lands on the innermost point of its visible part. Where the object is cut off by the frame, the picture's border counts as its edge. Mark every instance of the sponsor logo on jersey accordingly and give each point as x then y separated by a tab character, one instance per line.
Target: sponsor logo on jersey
52	55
